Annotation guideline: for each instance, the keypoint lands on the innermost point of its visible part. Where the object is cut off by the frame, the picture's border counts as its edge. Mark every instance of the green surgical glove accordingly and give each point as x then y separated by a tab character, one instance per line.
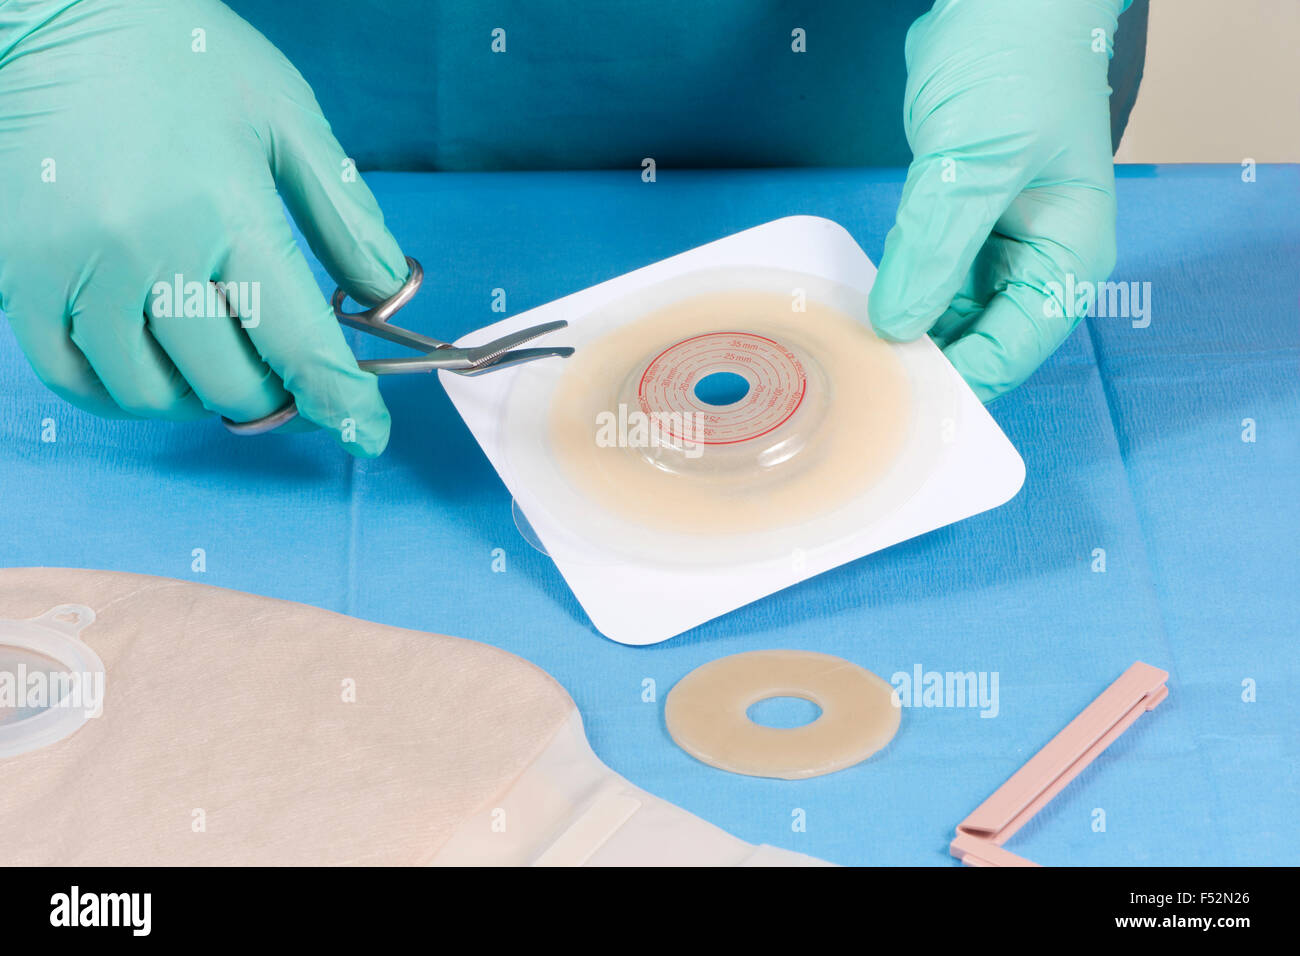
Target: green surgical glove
145	146
1011	187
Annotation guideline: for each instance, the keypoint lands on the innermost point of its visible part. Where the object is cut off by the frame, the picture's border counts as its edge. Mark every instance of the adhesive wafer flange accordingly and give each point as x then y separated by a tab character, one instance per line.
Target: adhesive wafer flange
641	582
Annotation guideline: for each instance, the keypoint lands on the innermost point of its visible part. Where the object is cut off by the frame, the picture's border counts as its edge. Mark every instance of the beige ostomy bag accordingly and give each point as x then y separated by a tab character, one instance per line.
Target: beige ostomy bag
238	729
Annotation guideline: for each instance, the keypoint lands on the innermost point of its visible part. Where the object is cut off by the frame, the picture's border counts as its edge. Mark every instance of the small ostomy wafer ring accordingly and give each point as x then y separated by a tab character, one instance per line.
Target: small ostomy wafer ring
707	714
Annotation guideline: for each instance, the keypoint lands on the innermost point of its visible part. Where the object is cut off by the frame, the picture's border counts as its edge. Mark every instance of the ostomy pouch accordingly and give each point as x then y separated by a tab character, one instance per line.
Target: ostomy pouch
729	426
241	730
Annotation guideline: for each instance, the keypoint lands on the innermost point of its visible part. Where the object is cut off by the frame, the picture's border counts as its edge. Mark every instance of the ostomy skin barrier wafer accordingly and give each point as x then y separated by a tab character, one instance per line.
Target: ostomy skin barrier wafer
666	499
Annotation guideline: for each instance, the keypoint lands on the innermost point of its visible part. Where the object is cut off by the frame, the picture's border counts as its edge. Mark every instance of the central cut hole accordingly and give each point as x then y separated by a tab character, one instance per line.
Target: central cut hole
721	388
783	712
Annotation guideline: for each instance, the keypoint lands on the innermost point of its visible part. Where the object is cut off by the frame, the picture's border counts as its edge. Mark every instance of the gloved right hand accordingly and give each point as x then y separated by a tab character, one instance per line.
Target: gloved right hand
144	149
1010	198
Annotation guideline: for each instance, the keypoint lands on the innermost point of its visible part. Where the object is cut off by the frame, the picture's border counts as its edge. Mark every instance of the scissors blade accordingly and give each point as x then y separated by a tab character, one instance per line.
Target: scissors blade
487	355
517	357
499	353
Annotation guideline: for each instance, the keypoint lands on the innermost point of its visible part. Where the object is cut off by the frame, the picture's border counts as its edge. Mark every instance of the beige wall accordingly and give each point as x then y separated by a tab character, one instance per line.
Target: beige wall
1222	83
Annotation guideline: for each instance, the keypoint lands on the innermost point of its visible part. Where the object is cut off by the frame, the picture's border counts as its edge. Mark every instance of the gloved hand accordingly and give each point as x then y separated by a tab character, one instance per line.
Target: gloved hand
1011	186
142	140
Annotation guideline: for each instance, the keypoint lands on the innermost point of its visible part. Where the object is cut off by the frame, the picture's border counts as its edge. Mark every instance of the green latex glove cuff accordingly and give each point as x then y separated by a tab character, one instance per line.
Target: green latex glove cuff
146	147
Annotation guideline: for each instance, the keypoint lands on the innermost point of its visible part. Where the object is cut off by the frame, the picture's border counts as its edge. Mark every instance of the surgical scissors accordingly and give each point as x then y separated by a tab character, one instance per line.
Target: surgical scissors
476	360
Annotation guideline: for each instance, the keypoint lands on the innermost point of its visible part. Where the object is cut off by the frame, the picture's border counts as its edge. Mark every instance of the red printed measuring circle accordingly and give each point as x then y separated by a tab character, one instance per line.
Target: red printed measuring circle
777	384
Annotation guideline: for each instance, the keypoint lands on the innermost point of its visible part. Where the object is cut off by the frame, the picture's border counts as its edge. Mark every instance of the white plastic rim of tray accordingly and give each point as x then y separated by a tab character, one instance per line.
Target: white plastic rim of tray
643	601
